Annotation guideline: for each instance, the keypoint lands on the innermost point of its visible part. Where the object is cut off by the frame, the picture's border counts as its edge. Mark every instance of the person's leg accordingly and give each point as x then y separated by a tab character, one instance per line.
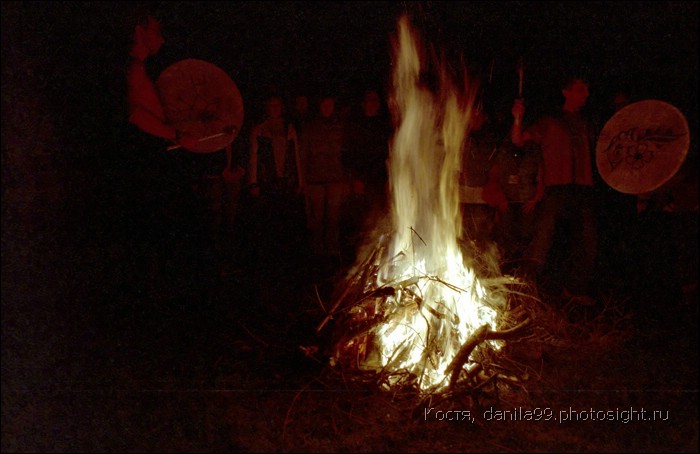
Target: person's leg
537	252
315	204
584	246
505	233
334	200
232	193
215	198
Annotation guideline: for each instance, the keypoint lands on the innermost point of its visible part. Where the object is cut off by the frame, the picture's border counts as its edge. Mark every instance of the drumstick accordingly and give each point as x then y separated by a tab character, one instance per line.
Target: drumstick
518	119
213	136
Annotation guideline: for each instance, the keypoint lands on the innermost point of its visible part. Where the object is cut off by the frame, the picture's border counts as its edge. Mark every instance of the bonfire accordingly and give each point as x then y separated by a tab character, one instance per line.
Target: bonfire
413	310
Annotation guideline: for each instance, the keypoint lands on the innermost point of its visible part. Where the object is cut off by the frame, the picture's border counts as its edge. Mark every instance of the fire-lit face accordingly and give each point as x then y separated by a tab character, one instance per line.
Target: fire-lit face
576	94
327	107
301	104
371	104
274	108
479	118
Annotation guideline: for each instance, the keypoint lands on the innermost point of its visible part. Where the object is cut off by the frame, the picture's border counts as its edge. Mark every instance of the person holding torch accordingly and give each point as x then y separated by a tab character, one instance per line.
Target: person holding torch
566	140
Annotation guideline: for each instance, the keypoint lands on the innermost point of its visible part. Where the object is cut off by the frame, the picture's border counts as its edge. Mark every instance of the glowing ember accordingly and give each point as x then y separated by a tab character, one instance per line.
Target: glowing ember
419	301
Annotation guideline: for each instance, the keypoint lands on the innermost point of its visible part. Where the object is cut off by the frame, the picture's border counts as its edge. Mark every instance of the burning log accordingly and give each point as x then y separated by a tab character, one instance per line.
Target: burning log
482	334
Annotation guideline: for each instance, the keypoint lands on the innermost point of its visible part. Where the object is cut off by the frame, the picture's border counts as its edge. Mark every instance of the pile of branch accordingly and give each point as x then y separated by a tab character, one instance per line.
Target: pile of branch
361	304
526	329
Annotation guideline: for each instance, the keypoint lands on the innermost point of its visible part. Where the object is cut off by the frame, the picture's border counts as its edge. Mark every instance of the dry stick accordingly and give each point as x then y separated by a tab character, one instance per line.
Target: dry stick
465	351
332	311
342	297
413	247
418	235
289	411
384	290
446	284
318	298
367	266
426	355
256	338
482	334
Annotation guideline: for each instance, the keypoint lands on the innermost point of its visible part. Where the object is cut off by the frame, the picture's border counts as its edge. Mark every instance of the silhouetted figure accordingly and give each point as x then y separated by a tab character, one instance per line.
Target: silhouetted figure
566	139
324	179
166	220
276	205
481	147
514	188
301	114
365	155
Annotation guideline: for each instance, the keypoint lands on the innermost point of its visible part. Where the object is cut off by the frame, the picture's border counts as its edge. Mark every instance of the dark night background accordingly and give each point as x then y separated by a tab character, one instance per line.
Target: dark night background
64	62
65	175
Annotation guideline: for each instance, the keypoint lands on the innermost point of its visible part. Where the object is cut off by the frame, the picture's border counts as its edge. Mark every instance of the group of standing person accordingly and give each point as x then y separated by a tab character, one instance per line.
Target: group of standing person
328	170
519	190
535	191
333	163
536	182
287	162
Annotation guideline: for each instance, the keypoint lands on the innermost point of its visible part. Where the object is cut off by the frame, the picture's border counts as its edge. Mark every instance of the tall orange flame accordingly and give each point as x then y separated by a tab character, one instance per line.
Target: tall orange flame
436	300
